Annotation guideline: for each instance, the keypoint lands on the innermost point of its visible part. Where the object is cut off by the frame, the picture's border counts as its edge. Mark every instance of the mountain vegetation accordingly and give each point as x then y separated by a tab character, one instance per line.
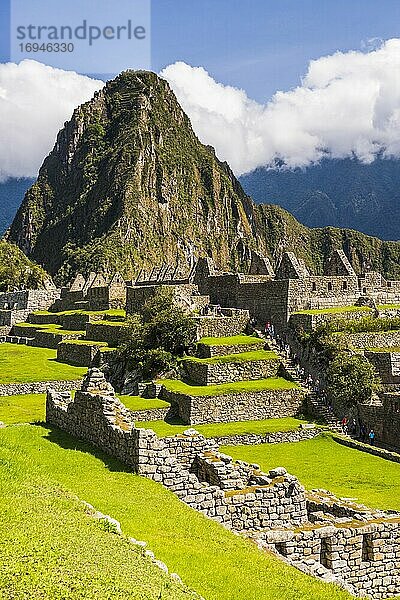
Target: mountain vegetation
17	271
128	186
335	192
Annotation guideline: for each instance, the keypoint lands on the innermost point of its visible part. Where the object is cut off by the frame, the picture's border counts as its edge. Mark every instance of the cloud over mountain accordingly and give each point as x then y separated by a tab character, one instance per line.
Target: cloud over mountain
347	104
35	100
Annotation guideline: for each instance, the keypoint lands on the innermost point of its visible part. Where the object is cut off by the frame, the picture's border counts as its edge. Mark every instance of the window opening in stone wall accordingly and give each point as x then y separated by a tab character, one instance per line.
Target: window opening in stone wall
326	553
344	286
314	287
389	284
281	548
367	548
329	286
364	290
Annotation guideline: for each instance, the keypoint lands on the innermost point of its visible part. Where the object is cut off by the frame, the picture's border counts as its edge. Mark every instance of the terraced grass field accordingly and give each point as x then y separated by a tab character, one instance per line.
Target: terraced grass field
49	544
324	463
25	364
51	548
257	385
236	340
236	358
164	429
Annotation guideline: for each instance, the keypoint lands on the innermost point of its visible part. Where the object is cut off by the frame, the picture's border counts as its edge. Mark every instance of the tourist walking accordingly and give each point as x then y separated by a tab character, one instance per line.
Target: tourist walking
371	436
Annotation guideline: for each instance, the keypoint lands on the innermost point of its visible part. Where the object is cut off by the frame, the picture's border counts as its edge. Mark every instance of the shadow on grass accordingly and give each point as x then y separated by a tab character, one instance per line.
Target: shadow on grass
68	442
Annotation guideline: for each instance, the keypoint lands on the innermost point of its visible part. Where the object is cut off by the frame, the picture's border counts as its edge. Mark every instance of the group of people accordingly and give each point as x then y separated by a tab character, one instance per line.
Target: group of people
214	310
353	427
358	429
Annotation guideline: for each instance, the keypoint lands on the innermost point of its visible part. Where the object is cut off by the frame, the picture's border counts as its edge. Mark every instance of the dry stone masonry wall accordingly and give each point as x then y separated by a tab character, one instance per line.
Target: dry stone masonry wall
324	536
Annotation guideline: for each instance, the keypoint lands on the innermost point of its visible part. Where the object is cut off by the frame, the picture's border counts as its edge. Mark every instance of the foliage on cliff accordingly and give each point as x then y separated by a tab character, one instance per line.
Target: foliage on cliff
128	186
161	332
351	379
17	271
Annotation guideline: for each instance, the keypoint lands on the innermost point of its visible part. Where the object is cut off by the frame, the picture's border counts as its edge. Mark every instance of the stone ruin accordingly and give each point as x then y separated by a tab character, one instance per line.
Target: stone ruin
96	292
333	539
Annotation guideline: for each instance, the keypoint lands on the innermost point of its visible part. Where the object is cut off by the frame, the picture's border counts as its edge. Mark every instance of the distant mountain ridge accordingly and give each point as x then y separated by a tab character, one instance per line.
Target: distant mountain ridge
12	193
128	185
335	192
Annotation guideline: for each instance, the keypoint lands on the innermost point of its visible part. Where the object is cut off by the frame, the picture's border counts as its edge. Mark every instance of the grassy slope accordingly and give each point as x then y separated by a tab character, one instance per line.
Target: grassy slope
164	429
24	408
216	563
235	340
236	358
138	403
323	463
272	383
334	310
24	364
51	549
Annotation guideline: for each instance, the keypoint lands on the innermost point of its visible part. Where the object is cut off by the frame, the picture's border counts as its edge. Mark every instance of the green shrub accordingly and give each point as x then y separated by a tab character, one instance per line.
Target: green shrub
157	335
351	379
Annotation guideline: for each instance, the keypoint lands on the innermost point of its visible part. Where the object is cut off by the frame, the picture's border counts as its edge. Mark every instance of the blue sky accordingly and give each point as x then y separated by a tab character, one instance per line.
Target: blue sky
258	45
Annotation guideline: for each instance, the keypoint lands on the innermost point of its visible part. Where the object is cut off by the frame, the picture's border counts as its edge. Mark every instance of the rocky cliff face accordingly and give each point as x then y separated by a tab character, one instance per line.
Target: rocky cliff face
128	185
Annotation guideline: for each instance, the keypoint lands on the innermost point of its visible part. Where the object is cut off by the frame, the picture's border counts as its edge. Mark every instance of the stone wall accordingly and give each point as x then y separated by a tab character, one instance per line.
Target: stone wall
387	365
316	532
380	339
29	299
102	331
221	326
37	387
151	414
206	351
84	354
205	373
308	322
263	500
277	437
240	406
47	339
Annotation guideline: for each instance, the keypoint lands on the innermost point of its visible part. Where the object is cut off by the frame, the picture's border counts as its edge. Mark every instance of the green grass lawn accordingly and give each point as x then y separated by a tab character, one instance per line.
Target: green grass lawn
236	340
257	385
138	403
50	328
236	358
164	429
49	549
111	312
388	349
25	364
383	306
335	310
323	463
24	408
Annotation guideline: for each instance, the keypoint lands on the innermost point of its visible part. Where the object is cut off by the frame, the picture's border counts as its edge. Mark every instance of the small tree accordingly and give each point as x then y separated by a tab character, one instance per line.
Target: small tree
351	379
157	335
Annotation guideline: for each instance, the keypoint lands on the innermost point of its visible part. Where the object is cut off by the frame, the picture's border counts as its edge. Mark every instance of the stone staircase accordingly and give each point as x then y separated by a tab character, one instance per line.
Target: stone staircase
316	406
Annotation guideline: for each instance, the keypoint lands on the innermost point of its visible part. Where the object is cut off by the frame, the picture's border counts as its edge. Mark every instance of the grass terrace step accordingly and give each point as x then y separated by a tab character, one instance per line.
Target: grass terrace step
24	408
217	346
336	310
137	403
26	364
324	463
52	548
111	312
235	358
164	429
185	540
258	385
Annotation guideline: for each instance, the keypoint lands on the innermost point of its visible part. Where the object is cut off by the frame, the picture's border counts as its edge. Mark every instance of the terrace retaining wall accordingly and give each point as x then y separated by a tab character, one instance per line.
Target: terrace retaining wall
241	406
37	387
206	374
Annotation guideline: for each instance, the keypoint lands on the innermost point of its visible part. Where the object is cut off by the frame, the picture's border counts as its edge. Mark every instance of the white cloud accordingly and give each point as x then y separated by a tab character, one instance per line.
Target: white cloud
347	104
35	100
